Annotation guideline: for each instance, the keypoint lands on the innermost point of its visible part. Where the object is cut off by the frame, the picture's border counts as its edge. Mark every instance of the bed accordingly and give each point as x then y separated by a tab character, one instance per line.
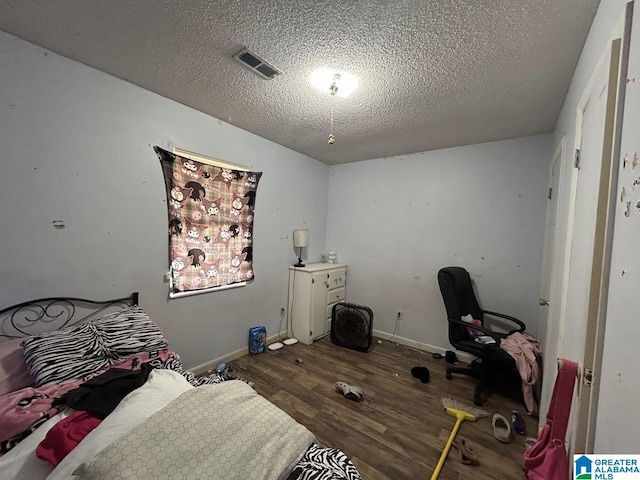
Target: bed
91	390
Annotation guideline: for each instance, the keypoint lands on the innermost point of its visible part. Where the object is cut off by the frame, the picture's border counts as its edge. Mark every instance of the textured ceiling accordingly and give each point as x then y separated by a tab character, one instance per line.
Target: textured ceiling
433	74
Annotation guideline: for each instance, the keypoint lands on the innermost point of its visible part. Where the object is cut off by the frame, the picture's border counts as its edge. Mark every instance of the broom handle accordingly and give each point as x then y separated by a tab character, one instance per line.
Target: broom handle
447	447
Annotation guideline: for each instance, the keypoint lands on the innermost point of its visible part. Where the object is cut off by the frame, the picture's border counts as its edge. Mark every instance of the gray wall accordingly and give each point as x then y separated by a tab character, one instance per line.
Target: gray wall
396	222
76	146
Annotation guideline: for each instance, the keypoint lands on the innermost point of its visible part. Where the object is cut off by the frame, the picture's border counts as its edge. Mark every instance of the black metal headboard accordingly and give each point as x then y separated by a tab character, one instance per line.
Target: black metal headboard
48	314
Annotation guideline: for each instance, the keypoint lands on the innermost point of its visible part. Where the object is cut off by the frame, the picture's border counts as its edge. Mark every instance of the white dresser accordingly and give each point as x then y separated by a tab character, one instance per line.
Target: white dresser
313	290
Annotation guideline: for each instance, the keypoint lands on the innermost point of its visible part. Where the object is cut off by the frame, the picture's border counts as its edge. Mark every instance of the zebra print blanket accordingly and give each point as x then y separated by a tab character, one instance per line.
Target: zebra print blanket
320	463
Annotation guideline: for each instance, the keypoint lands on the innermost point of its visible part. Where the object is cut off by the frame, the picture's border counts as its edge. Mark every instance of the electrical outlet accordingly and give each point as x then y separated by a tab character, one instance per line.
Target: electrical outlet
399	317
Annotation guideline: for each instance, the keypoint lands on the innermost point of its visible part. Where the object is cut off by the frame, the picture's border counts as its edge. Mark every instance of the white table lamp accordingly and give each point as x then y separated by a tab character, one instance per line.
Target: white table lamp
300	240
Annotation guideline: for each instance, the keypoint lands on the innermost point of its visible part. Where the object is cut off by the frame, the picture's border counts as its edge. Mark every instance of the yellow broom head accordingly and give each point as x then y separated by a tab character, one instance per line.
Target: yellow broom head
460	410
462	414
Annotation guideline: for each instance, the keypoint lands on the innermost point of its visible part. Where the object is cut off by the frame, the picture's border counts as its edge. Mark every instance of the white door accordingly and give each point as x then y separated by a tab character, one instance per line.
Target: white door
590	138
547	287
571	275
548	331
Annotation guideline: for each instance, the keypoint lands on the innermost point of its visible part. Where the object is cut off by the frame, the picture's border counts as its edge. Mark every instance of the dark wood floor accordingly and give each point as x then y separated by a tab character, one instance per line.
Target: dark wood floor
400	428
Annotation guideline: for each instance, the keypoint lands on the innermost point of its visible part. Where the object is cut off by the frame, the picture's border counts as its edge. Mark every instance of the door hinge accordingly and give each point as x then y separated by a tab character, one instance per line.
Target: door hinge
313	280
550	193
576	159
588	376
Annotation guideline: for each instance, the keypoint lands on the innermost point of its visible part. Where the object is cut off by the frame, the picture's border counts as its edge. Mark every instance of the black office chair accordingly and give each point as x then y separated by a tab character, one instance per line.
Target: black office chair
492	363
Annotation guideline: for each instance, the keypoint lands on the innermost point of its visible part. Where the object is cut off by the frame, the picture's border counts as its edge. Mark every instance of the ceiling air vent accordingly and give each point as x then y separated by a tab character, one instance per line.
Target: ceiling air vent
256	64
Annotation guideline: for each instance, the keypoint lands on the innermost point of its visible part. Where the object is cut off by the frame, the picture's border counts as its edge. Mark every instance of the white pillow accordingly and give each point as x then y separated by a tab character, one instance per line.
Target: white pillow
161	388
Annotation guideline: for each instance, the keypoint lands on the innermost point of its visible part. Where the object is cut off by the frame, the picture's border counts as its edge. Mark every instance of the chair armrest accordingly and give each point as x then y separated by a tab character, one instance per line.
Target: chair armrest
495	335
520	324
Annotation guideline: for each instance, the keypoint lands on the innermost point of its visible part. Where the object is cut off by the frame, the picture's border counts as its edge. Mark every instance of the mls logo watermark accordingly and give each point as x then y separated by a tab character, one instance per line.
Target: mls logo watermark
606	467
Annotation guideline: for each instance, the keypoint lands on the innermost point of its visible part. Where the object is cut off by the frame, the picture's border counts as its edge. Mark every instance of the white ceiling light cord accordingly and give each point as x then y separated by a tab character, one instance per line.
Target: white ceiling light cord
333	89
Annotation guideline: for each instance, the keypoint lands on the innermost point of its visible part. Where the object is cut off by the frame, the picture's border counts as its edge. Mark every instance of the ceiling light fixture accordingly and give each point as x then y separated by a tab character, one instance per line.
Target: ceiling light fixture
341	84
324	78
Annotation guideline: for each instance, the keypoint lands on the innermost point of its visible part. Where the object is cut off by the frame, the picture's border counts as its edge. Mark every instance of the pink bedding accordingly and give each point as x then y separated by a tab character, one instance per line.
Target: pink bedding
26	409
13	371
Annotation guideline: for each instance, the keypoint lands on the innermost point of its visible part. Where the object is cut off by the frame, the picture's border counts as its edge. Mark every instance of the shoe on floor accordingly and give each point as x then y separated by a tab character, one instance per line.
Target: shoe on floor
349	391
466	452
422	373
501	428
517	423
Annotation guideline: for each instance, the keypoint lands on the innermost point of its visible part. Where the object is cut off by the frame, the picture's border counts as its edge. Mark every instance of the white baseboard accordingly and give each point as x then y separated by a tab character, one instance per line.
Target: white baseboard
211	365
465	357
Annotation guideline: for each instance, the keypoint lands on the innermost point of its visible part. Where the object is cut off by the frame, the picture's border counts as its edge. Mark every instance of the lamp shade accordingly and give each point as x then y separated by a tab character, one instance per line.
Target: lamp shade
301	237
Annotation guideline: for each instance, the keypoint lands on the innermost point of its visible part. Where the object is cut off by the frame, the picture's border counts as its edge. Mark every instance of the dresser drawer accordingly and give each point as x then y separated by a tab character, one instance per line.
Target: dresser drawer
337	279
336	295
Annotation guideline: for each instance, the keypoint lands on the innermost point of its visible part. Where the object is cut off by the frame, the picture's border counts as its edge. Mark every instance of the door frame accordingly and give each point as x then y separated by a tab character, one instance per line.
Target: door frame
603	241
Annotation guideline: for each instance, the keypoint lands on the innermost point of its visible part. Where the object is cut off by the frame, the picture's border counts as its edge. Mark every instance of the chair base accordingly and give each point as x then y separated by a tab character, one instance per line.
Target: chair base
473	370
486	376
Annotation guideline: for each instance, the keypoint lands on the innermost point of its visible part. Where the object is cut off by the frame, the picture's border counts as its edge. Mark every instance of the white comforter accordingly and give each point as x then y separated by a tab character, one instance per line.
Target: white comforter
213	432
162	388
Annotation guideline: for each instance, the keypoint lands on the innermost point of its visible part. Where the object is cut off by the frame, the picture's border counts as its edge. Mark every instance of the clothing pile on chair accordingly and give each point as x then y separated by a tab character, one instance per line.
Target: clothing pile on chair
526	350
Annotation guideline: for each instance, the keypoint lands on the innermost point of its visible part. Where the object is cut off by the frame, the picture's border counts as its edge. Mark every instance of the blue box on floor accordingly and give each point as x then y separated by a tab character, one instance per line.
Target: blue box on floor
257	339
